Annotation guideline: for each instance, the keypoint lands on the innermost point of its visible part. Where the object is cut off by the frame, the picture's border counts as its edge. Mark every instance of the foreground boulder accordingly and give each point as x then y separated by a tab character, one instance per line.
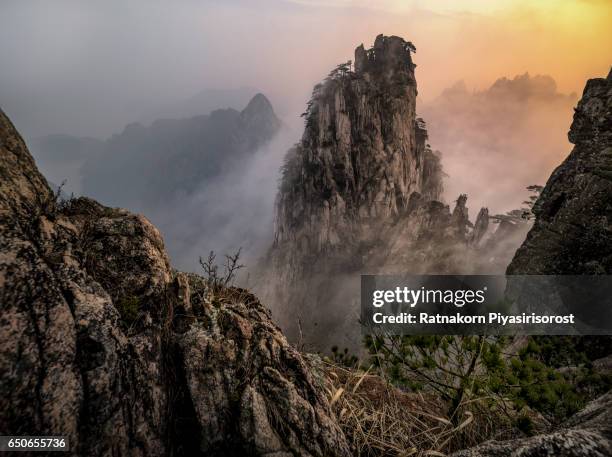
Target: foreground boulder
101	341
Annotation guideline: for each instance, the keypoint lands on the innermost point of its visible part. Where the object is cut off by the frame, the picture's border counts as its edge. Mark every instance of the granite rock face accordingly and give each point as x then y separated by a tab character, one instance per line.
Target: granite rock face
574	211
102	341
361	156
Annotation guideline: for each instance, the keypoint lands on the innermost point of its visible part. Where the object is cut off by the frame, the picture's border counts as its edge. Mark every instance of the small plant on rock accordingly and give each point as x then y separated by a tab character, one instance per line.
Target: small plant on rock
129	308
215	277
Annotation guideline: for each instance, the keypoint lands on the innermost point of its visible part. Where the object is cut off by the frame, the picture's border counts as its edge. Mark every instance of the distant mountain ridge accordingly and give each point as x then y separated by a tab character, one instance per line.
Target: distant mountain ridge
204	102
201	179
142	166
147	164
513	130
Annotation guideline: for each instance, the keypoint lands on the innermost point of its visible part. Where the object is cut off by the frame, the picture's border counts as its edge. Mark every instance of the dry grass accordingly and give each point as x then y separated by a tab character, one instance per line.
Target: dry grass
381	420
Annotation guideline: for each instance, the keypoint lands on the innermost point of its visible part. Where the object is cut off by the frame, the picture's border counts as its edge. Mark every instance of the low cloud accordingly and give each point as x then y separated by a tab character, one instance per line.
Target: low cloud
230	211
496	142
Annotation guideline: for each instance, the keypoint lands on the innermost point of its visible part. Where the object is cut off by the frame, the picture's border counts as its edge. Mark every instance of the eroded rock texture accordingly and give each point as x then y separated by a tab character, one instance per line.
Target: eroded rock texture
361	156
101	341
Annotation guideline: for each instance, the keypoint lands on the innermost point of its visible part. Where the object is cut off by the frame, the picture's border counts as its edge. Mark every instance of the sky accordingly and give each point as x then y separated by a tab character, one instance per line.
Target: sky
90	67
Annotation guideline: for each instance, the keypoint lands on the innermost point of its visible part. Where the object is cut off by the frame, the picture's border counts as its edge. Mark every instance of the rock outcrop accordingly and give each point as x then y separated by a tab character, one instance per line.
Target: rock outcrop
103	342
361	193
362	155
572	233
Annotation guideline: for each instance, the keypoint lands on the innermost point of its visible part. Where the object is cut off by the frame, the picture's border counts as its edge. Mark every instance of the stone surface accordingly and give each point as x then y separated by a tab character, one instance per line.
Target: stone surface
101	341
361	155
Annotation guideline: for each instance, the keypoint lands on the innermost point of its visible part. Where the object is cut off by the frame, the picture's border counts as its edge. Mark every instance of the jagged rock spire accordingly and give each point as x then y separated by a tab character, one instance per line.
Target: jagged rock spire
362	153
480	226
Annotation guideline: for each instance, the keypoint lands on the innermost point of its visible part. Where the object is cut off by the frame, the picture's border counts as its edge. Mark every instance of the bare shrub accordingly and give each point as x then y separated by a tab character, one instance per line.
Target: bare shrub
219	279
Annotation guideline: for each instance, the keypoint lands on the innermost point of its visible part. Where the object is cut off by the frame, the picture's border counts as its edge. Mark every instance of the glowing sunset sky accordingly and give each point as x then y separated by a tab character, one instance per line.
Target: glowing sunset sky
480	40
118	56
88	68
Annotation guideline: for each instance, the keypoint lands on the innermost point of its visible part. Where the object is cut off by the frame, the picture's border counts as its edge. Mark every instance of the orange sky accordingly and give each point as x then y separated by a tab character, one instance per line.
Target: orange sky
89	68
475	40
572	41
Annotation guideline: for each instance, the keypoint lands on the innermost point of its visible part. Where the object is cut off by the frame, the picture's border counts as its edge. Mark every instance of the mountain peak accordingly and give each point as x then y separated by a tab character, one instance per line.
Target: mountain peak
258	105
359	153
389	55
259	115
361	158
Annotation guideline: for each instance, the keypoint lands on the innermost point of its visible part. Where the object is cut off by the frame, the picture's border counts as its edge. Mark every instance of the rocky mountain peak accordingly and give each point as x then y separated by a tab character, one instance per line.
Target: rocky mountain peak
259	119
390	56
361	194
361	191
259	104
593	115
361	155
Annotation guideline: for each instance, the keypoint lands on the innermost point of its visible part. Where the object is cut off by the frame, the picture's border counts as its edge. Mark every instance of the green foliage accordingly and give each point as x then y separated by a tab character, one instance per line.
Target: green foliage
519	216
343	358
129	308
553	392
525	425
450	365
338	75
341	71
467	368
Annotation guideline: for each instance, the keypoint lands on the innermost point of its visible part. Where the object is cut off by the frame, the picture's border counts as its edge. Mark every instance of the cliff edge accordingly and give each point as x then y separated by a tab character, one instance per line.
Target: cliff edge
103	342
572	233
